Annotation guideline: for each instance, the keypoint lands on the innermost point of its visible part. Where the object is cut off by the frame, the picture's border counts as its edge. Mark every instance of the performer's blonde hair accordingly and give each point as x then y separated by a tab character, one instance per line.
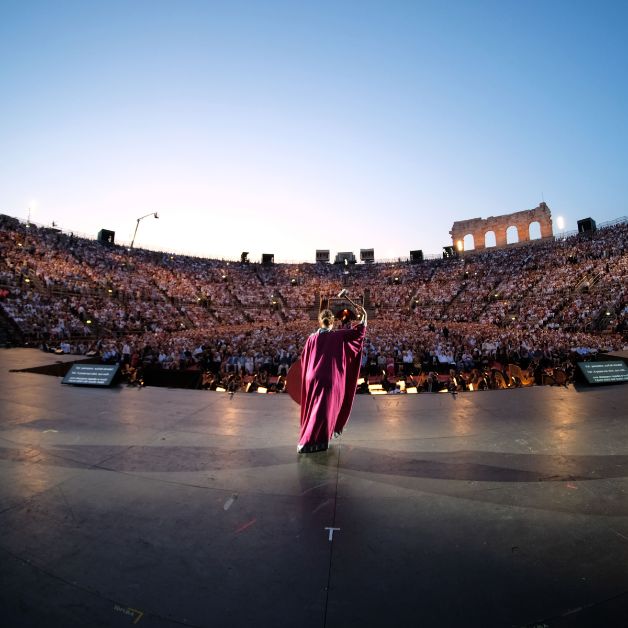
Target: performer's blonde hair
326	318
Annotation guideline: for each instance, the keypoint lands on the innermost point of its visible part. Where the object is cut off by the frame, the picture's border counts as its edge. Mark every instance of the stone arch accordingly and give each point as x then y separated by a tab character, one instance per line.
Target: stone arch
468	242
490	240
534	230
512	234
479	227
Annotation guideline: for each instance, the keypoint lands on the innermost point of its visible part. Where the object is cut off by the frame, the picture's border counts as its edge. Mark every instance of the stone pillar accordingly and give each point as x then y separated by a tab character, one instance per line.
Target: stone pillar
500	236
545	220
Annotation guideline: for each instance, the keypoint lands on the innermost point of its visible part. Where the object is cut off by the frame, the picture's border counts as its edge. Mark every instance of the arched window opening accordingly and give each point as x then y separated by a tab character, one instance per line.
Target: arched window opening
489	239
535	230
469	242
512	235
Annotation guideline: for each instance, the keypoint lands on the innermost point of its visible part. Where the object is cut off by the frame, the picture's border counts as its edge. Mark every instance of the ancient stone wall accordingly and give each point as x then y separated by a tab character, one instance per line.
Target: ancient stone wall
479	227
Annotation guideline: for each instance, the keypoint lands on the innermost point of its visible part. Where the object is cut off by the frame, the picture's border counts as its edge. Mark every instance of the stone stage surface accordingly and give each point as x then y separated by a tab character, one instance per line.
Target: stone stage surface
159	507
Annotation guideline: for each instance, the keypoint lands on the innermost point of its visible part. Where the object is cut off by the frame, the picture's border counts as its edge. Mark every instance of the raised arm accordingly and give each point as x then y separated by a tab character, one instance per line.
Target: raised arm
363	316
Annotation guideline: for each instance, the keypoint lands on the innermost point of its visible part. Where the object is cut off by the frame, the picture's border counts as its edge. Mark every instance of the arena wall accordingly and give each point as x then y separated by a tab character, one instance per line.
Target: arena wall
499	225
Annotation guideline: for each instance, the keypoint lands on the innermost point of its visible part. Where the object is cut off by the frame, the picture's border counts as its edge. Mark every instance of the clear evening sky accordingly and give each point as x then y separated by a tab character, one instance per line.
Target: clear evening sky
285	127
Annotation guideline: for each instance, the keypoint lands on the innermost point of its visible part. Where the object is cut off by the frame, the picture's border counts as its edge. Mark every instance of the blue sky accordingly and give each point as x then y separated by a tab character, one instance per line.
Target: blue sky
285	127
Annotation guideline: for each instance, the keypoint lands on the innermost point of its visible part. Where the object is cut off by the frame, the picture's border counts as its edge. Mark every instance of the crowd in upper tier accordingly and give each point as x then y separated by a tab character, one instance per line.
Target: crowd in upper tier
540	302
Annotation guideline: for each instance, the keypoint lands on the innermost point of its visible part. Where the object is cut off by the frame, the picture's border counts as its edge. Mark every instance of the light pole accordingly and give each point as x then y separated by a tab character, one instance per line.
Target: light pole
137	224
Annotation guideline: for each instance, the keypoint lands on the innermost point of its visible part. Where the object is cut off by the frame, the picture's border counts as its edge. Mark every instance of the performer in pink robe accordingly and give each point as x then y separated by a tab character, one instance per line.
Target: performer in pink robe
330	366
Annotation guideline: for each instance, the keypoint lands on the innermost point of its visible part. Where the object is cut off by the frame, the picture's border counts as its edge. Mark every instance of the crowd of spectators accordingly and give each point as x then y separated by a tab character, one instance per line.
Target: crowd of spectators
534	306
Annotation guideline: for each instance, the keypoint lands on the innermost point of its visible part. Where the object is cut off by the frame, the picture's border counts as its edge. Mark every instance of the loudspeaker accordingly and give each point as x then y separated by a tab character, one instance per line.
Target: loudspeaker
268	258
586	225
106	237
416	256
344	258
322	255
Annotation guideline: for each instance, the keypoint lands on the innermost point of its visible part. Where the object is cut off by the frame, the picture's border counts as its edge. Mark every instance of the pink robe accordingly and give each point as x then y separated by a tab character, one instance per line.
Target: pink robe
330	365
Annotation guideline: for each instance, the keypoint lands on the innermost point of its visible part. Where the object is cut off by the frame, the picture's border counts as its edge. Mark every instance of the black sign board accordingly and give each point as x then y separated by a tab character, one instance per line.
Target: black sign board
91	374
612	372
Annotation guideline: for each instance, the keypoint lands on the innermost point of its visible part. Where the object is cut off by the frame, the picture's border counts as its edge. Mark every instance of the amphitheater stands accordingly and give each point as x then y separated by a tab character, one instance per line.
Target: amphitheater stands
538	304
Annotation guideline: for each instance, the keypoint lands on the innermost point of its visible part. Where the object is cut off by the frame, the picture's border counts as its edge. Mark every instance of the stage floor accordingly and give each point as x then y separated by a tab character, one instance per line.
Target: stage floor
159	507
